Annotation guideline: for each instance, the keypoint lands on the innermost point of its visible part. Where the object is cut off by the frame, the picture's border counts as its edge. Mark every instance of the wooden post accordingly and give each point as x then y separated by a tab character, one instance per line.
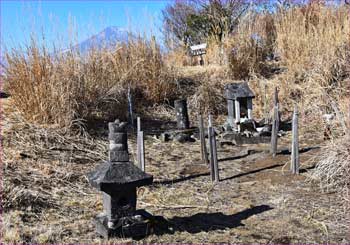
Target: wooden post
204	152
140	146
210	121
238	114
295	143
277	102
274	133
214	172
215	156
142	151
211	147
275	125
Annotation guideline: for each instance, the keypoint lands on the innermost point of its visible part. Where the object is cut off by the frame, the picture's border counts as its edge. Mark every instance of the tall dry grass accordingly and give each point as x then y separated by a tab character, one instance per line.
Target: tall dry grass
70	88
304	51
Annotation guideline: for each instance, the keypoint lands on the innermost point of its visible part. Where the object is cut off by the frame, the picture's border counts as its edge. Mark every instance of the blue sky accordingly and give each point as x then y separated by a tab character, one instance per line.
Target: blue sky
63	21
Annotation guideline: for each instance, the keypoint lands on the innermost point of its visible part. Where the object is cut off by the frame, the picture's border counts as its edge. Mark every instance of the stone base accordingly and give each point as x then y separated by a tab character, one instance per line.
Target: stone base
179	135
137	226
238	139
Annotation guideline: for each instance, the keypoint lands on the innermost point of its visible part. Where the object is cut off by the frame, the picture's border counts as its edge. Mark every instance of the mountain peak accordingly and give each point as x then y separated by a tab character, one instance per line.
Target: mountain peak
107	38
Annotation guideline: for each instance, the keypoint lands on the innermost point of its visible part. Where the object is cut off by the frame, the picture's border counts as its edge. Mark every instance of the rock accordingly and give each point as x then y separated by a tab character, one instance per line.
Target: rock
247	133
227	127
165	137
248	125
266	130
182	138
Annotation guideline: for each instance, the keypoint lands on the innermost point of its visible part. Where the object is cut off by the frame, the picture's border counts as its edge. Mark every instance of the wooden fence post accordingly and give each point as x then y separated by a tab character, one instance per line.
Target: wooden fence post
275	125
204	152
214	170
295	143
142	151
140	146
215	156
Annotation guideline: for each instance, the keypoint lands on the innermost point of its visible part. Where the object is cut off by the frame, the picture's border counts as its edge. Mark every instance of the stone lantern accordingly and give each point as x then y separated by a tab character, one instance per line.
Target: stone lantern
118	179
239	103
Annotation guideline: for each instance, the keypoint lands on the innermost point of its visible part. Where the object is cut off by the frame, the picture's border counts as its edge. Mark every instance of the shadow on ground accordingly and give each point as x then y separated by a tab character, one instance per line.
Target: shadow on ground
206	221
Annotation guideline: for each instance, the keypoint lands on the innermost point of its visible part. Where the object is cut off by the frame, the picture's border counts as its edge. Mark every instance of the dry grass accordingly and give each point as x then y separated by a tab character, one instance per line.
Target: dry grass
69	88
312	45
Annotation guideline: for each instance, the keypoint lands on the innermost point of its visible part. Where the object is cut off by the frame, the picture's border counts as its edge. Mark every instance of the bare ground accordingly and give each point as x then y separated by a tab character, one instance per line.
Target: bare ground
47	198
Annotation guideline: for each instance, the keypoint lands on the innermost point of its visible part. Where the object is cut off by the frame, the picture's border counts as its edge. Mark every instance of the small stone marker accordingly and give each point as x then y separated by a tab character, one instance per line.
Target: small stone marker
295	143
118	180
182	114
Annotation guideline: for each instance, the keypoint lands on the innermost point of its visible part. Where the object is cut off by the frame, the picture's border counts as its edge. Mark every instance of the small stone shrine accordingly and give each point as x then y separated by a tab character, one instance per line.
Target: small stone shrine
118	179
239	103
240	126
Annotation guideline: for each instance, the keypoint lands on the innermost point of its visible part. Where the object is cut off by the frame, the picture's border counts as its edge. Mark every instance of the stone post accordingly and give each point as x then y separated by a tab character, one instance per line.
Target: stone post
238	114
182	114
231	113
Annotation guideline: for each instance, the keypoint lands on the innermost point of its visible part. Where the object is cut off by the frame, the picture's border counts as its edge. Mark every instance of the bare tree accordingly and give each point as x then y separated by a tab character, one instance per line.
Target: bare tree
175	21
192	21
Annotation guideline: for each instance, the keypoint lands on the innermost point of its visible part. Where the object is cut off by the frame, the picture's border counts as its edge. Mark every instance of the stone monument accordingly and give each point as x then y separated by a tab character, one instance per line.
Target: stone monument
118	179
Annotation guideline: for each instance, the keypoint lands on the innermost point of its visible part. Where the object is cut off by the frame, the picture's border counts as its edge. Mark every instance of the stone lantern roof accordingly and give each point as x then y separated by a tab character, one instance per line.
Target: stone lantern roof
234	91
119	175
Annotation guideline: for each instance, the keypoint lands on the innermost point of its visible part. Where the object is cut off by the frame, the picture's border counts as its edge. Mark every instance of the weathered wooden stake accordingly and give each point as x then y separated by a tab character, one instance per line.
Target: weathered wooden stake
215	156
275	125
142	151
204	151
210	121
295	143
214	172
140	146
274	133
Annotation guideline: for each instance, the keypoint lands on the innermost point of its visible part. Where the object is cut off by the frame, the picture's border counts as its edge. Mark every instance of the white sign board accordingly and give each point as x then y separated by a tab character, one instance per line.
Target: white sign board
199	46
